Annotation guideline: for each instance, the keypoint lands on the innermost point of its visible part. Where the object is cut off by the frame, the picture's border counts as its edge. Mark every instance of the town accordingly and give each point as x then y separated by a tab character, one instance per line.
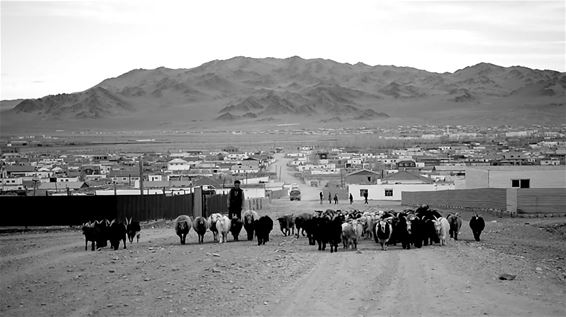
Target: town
402	159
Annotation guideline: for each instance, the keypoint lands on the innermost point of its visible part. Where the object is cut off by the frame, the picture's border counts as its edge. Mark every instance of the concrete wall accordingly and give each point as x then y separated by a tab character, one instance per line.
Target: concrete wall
511	200
501	176
483	198
377	192
477	178
535	200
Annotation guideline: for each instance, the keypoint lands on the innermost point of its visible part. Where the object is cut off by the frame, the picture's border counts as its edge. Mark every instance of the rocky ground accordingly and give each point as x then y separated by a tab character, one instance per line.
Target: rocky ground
48	272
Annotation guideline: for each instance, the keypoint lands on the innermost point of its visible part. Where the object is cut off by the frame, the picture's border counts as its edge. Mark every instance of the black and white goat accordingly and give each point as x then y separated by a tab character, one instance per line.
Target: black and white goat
183	224
133	229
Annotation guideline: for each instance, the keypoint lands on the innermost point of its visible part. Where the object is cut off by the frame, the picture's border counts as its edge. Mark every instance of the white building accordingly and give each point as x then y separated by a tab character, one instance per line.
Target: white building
393	191
67	179
547	162
12	183
155	177
235	157
178	165
249	192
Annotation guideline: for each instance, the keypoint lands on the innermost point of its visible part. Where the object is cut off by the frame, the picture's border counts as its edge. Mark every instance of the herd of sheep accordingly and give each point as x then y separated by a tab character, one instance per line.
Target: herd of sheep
220	225
419	227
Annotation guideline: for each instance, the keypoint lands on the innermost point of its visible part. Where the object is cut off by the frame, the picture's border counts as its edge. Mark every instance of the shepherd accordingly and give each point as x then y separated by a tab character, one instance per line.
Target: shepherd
235	201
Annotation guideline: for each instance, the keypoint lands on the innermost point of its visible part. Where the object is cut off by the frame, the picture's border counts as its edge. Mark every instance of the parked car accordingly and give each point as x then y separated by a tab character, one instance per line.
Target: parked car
295	194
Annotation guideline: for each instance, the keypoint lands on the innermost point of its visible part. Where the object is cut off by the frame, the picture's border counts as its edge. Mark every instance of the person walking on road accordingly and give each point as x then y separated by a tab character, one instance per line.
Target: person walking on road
329	198
351	199
366	197
321	198
336	199
235	201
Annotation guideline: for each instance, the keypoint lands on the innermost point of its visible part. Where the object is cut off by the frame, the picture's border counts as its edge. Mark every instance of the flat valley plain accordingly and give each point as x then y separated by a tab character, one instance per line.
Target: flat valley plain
156	141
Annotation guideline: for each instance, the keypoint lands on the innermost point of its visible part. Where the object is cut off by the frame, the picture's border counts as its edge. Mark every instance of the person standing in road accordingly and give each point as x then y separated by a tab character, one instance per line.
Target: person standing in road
351	199
235	201
336	199
366	197
329	198
321	196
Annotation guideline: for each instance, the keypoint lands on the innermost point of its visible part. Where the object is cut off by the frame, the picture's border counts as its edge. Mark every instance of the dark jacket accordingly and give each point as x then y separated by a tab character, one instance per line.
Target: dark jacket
236	199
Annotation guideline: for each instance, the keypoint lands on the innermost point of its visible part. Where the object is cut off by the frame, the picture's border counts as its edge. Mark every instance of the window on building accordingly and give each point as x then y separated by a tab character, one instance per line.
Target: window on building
389	193
521	183
363	192
369	178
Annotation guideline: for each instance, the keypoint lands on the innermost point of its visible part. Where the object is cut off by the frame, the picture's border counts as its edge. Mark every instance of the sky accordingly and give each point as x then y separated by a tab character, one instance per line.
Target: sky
52	47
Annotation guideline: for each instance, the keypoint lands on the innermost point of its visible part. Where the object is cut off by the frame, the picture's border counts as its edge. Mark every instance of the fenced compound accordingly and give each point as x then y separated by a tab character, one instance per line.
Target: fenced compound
526	201
75	210
483	198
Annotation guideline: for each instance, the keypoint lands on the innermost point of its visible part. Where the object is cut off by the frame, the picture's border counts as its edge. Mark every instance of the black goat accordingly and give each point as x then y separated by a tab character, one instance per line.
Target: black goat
88	231
477	224
263	227
133	229
117	232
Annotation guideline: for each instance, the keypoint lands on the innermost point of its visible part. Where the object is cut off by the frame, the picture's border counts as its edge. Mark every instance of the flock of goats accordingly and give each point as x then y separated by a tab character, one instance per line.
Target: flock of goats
419	227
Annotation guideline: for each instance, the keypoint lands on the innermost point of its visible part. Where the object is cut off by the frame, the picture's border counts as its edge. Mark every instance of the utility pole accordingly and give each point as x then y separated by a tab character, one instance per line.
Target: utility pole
141	175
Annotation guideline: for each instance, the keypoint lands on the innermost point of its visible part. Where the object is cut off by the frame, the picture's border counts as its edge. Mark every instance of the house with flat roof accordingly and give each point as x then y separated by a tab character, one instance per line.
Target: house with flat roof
521	176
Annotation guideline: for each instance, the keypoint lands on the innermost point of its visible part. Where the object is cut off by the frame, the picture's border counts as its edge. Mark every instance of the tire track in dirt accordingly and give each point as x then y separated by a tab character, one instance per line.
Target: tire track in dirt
341	284
429	281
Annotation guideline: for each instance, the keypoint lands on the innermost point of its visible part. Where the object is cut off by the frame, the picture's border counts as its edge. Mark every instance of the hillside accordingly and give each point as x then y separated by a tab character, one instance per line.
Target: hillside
247	91
9	104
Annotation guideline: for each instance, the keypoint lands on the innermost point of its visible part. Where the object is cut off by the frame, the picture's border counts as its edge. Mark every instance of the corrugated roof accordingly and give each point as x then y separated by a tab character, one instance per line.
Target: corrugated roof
363	171
19	168
62	185
406	176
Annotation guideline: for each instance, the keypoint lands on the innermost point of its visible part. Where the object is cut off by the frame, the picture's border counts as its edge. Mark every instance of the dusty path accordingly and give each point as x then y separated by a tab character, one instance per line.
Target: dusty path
51	274
432	281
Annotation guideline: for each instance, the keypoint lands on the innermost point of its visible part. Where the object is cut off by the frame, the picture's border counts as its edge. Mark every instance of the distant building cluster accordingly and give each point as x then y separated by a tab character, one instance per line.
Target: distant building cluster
51	173
420	158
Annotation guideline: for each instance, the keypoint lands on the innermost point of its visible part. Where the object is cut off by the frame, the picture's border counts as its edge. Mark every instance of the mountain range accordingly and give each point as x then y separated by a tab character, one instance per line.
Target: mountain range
248	91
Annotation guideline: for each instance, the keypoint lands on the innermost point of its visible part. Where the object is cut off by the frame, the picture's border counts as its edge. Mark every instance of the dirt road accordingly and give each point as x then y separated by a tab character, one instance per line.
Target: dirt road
285	174
433	281
50	273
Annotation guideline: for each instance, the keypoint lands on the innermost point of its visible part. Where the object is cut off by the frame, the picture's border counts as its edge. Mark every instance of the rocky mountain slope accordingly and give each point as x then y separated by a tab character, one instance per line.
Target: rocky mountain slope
251	90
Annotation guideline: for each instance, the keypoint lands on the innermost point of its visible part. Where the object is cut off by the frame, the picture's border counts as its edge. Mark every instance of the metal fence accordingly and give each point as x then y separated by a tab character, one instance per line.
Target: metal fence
75	210
215	204
219	204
